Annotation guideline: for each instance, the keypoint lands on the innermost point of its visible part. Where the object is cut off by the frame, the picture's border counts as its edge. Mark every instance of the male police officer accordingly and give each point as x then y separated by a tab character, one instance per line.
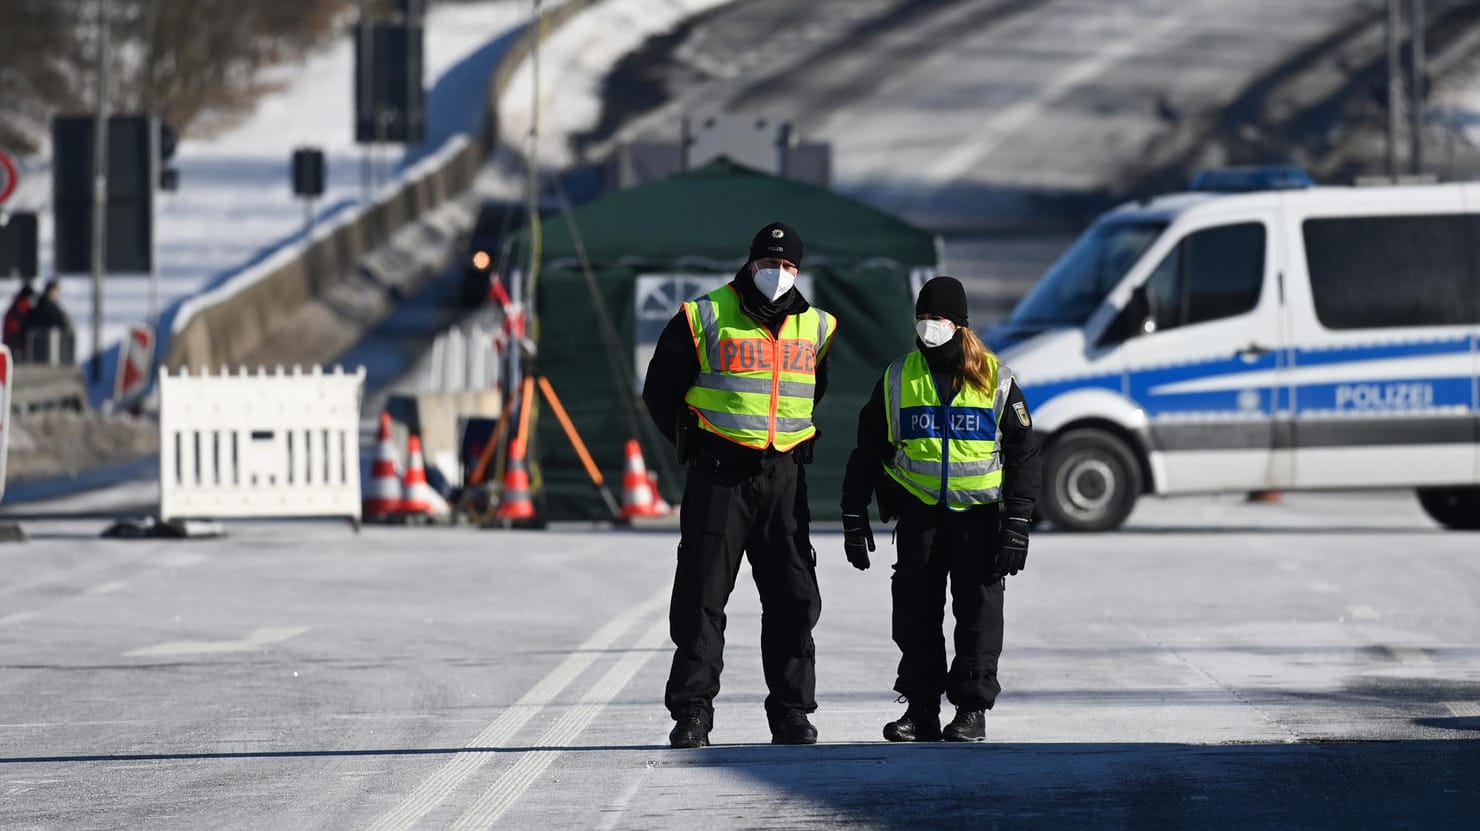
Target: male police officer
732	383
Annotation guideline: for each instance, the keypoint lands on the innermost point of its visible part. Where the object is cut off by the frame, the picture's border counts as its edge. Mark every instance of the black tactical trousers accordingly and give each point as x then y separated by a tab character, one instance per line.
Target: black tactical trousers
758	507
932	544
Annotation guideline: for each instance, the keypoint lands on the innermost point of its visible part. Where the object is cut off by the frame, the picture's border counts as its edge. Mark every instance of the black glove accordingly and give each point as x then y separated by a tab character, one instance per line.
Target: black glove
858	539
1012	547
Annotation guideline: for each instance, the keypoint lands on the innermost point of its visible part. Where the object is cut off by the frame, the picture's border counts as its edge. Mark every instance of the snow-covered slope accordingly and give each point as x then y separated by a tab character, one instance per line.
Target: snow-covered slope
235	204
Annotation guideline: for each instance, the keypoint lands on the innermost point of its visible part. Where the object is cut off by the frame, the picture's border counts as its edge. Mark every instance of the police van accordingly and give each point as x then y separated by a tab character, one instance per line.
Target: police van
1319	338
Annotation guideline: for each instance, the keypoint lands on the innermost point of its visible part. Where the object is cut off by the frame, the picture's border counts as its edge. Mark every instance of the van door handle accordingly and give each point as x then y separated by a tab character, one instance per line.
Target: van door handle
1254	350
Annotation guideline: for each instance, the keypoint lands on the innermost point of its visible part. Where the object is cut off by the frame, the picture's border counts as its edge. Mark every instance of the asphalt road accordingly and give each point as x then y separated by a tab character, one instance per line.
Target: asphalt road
1310	663
1004	125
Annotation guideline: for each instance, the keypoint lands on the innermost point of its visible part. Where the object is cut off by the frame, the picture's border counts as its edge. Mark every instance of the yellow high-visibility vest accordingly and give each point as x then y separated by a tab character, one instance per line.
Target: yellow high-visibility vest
754	388
945	453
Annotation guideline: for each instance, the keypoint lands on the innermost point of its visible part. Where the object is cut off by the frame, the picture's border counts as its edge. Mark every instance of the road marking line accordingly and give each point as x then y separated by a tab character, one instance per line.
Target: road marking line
17	617
993	131
257	640
618	809
107	588
1463	709
517	779
1362	613
430	793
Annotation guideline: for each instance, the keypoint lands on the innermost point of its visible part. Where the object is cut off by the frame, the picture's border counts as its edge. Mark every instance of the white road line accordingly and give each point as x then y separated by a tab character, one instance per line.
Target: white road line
517	779
618	809
107	588
1363	613
996	129
1463	709
16	617
430	793
257	640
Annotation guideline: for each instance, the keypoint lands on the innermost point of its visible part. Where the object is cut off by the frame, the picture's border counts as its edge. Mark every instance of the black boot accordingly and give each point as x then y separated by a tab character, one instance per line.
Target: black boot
792	728
967	726
918	724
692	730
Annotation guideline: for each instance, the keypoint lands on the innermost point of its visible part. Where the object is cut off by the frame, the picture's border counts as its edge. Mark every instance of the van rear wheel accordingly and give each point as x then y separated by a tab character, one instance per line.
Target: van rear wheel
1456	508
1091	481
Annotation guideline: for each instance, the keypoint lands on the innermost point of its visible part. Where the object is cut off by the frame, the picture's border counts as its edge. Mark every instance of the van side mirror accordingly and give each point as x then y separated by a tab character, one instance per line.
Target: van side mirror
1136	318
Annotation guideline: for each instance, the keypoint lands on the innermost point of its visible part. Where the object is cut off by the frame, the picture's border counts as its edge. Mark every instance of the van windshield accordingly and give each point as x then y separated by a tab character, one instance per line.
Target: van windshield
1074	286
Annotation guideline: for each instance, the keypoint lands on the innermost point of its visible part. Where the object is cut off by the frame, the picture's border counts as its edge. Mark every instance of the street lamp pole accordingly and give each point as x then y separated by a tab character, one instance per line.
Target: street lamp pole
100	192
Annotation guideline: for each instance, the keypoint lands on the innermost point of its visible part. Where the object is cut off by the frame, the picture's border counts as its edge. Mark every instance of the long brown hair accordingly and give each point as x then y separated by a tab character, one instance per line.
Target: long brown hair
974	368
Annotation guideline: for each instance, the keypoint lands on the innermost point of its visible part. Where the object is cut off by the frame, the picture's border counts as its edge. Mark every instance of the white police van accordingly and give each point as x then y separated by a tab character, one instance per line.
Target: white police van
1323	338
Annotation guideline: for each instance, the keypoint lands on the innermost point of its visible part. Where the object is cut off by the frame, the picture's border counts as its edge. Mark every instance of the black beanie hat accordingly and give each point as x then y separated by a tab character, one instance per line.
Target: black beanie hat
943	297
776	240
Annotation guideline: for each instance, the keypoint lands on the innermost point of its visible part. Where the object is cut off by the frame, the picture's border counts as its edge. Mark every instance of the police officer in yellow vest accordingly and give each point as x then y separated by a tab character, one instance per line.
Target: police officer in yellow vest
947	442
732	382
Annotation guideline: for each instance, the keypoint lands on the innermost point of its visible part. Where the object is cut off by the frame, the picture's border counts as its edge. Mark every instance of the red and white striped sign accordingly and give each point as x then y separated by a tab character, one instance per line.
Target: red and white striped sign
135	359
9	178
6	374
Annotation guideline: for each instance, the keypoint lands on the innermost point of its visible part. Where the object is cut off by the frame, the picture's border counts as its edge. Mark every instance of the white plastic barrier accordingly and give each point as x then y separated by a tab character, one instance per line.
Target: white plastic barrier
463	361
263	445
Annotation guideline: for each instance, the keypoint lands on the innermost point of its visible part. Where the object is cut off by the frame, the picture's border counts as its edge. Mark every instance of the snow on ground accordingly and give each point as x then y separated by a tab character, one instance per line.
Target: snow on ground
235	205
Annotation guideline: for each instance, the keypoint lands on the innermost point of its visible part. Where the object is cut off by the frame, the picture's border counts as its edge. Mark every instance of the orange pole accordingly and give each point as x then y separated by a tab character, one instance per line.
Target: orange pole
570	432
493	443
521	439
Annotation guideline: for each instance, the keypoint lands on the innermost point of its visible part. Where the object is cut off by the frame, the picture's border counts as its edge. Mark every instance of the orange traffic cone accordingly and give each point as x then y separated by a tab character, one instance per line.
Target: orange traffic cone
660	507
637	491
418	498
516	504
383	496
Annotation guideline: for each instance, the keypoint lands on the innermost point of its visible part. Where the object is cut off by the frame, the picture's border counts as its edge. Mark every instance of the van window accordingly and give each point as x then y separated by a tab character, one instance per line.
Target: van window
1375	271
1076	285
1211	274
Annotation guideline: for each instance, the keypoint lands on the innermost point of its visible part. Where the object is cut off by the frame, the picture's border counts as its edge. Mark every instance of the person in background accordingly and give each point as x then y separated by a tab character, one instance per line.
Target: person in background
733	382
15	319
947	441
48	315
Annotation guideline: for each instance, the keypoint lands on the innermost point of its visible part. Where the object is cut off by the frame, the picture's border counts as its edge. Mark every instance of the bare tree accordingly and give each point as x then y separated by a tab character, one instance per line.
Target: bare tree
40	57
179	59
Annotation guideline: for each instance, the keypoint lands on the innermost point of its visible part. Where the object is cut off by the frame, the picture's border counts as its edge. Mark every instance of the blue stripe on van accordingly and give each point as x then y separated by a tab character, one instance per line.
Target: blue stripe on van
1452	391
1238	400
1039	394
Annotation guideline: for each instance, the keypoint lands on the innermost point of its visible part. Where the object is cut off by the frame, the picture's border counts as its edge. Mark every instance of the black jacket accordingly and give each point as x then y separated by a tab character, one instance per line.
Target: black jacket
1021	467
675	365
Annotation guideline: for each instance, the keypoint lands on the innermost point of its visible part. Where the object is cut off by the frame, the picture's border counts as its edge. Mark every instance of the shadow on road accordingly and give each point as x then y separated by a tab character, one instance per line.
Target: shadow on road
1419	784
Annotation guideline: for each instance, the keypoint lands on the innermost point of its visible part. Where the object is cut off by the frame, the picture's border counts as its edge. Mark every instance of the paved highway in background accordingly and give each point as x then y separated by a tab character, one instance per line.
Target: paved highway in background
1003	124
1310	663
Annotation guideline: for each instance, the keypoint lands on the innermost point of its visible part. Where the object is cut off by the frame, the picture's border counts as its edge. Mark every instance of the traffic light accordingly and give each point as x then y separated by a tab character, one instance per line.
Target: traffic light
308	172
18	245
132	177
390	103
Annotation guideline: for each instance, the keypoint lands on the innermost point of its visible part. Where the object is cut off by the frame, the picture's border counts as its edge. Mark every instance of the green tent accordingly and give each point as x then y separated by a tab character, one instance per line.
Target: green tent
614	271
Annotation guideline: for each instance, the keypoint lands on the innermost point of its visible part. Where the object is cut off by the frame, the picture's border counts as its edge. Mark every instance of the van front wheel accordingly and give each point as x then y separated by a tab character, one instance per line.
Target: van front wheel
1091	481
1456	508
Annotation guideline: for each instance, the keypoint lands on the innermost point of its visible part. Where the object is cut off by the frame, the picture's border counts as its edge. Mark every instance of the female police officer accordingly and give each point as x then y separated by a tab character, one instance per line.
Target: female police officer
947	440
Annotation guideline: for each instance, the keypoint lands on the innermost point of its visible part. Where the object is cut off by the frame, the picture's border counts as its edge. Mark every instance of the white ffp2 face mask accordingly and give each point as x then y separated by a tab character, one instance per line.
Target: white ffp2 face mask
774	282
933	333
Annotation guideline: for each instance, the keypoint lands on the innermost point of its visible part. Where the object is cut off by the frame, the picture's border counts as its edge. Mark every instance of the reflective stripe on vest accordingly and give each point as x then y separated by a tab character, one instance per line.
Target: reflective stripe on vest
754	388
945	452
